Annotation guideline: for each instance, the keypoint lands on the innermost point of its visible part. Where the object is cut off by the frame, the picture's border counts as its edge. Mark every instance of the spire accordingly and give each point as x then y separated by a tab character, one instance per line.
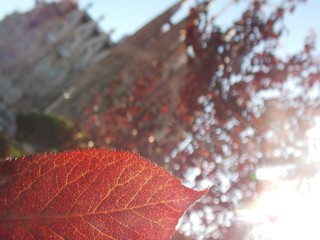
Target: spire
39	3
152	29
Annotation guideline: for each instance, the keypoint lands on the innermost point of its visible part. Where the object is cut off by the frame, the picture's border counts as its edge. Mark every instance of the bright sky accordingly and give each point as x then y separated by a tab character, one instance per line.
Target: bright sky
127	16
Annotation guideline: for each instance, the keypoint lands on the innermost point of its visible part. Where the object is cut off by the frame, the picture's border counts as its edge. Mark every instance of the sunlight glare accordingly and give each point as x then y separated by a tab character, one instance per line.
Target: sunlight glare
285	213
290	208
313	135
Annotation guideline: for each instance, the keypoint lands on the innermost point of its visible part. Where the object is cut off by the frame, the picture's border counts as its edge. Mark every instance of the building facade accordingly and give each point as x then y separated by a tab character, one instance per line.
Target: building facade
42	49
157	41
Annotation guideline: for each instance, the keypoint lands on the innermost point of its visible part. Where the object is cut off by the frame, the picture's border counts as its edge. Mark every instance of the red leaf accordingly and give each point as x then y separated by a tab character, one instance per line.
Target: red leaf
89	194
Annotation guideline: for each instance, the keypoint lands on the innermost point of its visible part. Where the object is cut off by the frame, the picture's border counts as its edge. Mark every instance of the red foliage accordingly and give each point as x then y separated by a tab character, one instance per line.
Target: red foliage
89	194
233	130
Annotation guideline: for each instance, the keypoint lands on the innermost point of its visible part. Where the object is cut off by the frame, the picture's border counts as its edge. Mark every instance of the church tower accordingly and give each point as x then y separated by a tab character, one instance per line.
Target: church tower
132	57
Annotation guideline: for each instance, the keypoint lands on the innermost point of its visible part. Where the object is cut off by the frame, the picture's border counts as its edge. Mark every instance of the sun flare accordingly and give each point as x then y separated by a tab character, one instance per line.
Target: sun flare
287	214
290	209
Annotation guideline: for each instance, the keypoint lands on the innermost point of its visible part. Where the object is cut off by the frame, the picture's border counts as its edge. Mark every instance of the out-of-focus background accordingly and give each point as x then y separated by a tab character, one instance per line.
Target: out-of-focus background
220	93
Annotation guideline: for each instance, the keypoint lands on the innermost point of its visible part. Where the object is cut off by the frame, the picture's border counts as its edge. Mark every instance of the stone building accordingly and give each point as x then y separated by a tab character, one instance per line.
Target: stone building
42	49
156	53
157	41
54	58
